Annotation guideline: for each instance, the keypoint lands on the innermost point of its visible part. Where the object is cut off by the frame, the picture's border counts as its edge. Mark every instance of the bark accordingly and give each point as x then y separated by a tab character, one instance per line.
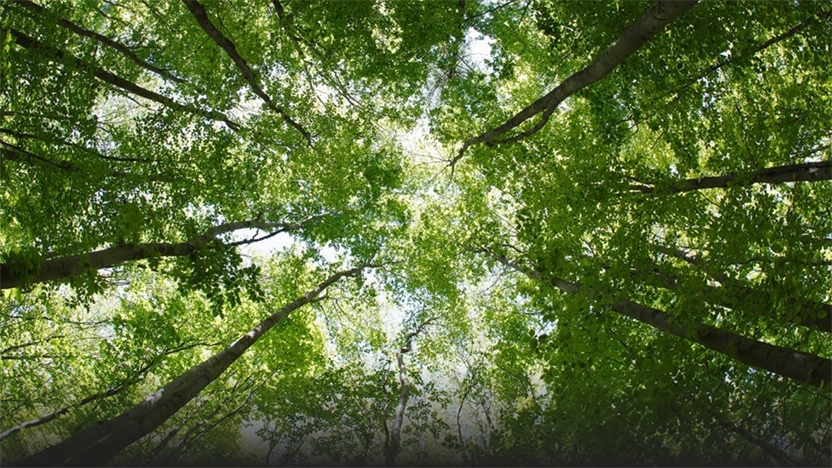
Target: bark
759	48
391	451
462	449
99	442
205	23
751	301
63	267
29	42
119	47
796	365
203	427
140	374
805	172
735	295
645	28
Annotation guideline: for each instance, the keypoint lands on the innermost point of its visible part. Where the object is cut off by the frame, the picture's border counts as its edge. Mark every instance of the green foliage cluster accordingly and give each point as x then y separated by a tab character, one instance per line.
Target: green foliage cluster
172	174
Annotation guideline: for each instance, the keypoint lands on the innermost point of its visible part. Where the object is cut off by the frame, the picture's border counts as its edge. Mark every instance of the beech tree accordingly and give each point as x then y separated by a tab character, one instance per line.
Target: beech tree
575	232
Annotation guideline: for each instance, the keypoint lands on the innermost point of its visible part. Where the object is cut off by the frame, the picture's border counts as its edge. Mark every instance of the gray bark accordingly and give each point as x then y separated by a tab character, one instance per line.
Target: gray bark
806	172
205	23
651	23
63	267
796	365
99	442
29	42
391	451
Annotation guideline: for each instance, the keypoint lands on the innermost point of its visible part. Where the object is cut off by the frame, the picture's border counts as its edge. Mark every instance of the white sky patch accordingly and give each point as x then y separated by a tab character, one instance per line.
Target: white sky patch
278	243
478	50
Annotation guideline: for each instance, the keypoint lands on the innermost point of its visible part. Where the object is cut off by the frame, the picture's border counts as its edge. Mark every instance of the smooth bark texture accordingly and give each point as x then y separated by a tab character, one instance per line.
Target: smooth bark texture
29	42
391	449
797	365
114	390
121	48
99	442
749	301
651	23
58	268
735	295
806	172
205	23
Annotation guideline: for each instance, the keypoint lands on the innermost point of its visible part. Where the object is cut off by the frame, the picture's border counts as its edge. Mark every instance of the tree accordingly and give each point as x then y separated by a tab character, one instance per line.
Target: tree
101	441
612	215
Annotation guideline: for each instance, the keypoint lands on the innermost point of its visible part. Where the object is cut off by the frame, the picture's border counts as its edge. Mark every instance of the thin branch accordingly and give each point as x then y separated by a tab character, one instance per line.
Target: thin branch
645	28
121	48
205	23
29	42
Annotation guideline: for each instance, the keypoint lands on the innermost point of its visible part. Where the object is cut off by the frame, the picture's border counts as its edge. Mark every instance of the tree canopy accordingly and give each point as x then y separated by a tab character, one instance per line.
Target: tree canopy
389	232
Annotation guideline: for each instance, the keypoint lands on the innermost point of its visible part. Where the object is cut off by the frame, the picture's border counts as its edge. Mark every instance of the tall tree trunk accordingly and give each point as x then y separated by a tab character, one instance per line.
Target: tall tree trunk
115	45
205	23
26	41
63	267
651	23
99	442
391	451
750	301
796	365
806	172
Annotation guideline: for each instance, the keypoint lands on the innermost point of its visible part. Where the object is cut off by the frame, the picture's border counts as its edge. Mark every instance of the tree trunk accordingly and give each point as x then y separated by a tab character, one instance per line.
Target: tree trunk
205	23
99	442
651	23
796	365
114	390
29	42
806	172
63	267
391	451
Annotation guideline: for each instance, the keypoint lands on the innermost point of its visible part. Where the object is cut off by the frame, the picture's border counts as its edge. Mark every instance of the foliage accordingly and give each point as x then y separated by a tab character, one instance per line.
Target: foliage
172	173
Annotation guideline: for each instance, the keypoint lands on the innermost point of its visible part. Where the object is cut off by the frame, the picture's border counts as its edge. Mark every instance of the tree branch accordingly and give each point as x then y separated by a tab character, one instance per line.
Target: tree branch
205	23
805	172
98	443
62	267
121	48
29	42
796	365
651	23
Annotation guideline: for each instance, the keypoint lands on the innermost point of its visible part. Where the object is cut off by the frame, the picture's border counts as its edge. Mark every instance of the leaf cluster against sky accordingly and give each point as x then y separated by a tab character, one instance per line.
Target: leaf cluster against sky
415	233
